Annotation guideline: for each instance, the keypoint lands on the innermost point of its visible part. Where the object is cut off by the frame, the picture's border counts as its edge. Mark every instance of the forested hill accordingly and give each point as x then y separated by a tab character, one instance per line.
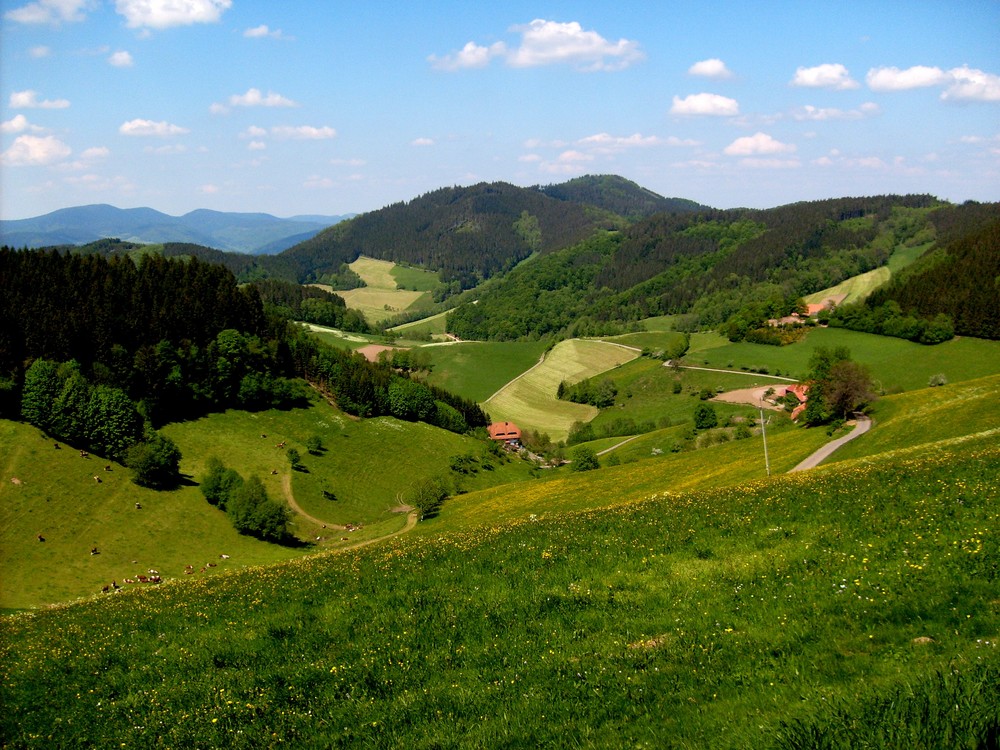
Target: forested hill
472	233
618	195
713	265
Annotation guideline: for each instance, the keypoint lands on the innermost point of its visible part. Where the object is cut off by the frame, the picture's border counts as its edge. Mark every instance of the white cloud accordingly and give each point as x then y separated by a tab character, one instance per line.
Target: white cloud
254	132
264	32
471	55
31	150
617	143
49	11
97	152
121	59
39	52
547	43
303	132
422	142
827	76
705	104
711	68
29	100
758	143
894	79
574	156
164	14
18	124
809	112
969	84
253	98
256	146
149	128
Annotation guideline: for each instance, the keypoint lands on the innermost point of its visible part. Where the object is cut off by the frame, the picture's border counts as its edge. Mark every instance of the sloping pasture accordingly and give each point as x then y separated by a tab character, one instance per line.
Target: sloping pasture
530	400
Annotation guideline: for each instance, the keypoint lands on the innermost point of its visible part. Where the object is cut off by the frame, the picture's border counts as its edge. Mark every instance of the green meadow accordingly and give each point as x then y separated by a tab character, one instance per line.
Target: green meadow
530	400
845	605
478	369
896	364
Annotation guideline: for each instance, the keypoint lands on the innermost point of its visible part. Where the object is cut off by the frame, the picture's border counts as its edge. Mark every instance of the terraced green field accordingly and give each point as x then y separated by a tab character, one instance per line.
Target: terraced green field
530	401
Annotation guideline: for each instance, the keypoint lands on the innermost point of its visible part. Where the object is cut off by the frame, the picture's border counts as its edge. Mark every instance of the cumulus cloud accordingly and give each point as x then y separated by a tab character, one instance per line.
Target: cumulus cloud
164	14
547	43
29	100
705	104
758	143
303	132
422	142
18	124
49	11
711	68
472	55
809	112
894	79
121	60
253	98
256	146
264	32
31	150
149	128
827	76
39	52
960	84
969	84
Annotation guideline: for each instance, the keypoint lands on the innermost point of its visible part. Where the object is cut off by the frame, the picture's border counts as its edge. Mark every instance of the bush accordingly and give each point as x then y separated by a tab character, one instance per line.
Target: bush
705	417
155	462
584	459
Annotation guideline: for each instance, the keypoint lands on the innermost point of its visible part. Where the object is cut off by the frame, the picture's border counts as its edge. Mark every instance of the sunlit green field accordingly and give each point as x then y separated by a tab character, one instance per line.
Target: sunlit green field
896	364
478	369
530	401
847	604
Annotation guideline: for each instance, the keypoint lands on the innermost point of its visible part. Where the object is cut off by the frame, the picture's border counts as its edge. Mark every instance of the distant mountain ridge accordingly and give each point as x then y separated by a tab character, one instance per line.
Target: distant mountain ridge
252	233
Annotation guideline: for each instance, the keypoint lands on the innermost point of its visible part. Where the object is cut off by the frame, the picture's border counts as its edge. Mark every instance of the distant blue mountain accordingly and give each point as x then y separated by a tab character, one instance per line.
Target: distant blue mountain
235	232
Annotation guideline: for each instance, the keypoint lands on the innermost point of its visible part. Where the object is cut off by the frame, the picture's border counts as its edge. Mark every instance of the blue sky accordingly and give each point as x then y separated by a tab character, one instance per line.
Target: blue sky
299	107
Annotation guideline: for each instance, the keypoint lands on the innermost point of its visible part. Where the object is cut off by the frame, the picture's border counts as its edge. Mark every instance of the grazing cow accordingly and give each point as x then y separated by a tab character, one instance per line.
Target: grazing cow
97	479
84	454
213	565
143	579
115	586
56	446
106	589
138	506
108	467
40	537
16	481
273	472
154	572
224	557
155	579
128	580
93	551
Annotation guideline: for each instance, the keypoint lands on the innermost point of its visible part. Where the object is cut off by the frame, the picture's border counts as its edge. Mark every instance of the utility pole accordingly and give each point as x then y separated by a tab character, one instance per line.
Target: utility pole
763	434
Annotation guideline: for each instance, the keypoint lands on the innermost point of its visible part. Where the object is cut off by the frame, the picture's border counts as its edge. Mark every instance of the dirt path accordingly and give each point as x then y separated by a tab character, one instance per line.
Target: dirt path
669	363
286	486
862	426
411	521
618	445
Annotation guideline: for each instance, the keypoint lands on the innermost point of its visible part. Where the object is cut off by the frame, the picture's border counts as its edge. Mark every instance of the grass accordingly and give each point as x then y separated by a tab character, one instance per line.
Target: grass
60	500
652	340
697	619
896	364
408	277
858	287
433	325
478	369
382	298
530	401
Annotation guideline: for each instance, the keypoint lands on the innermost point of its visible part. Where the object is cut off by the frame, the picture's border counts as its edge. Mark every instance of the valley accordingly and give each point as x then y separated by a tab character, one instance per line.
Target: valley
652	572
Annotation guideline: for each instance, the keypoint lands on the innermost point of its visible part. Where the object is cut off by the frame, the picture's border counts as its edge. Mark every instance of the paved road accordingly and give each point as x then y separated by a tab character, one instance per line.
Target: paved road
864	424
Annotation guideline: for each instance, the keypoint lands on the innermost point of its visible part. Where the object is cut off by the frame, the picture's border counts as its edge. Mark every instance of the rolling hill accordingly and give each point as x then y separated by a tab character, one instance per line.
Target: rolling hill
234	232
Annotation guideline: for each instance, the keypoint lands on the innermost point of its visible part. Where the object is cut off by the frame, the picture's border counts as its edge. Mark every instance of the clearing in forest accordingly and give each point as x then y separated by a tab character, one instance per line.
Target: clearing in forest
530	399
381	299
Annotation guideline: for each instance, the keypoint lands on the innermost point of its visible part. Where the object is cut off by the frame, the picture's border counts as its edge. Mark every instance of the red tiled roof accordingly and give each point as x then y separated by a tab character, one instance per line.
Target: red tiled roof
505	431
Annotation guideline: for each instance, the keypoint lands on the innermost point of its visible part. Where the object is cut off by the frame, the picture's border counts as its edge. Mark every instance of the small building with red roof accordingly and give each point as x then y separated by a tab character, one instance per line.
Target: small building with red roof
506	432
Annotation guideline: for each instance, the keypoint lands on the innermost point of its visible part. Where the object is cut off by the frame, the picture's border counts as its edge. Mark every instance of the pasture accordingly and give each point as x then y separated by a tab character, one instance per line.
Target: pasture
895	364
841	603
382	298
432	326
530	400
367	465
478	369
858	287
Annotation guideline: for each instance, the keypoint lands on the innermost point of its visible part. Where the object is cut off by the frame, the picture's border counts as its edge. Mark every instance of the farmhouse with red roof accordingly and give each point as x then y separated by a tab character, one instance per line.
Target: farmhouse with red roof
506	432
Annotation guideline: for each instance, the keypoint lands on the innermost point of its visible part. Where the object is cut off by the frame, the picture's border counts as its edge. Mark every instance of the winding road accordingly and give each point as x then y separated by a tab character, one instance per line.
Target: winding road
863	425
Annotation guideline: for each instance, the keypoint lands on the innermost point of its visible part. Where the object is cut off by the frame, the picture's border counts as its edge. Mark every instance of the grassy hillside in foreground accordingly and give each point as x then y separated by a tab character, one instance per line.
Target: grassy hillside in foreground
59	499
745	617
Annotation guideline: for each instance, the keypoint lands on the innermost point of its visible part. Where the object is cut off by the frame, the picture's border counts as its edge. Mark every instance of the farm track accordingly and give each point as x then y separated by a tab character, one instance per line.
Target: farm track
811	462
731	372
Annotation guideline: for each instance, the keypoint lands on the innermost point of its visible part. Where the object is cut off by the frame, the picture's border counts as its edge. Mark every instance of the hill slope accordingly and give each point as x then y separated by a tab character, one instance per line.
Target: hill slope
239	232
